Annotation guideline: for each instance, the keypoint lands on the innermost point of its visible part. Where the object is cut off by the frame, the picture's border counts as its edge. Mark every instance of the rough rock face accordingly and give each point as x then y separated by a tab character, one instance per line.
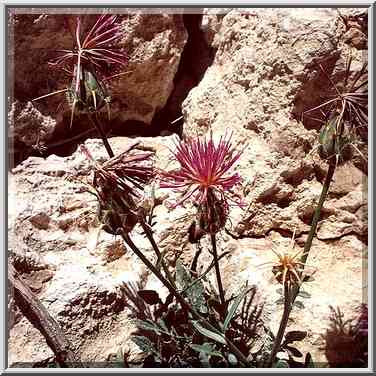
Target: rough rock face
152	43
56	243
263	76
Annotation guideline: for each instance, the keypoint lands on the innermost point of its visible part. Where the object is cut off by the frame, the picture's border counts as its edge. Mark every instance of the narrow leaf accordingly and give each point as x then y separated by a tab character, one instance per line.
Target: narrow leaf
308	363
234	307
294	351
208	333
295	335
206	348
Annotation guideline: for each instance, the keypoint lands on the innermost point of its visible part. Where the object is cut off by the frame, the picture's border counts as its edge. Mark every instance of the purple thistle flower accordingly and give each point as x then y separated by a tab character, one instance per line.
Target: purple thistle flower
95	47
204	167
204	177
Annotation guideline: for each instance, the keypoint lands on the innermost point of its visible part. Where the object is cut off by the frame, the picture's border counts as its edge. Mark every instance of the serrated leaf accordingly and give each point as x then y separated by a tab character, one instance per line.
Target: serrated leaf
233	308
294	351
149	296
295	335
206	348
208	333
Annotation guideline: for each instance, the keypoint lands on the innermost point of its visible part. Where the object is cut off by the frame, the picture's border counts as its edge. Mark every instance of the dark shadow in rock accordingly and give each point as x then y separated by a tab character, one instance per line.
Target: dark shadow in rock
347	339
195	60
315	90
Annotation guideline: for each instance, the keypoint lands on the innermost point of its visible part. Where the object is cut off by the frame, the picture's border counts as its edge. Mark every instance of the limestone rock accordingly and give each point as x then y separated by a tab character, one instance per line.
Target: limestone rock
153	44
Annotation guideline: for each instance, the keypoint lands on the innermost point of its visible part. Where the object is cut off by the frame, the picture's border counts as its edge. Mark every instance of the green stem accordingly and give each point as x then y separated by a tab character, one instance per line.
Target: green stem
242	359
316	216
282	326
150	237
307	247
217	270
98	126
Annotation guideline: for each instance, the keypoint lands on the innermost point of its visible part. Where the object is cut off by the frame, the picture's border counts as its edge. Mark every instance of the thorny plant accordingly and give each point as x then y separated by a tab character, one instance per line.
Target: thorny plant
346	341
200	325
114	195
287	268
169	338
346	116
204	177
87	64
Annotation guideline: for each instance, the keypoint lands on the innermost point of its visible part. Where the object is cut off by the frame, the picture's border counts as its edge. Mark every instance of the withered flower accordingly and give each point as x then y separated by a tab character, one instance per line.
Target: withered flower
118	185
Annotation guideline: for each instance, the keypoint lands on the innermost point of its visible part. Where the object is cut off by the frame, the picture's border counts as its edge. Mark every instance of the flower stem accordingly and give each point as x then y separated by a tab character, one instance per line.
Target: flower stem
98	126
308	244
152	241
282	326
217	270
242	359
316	216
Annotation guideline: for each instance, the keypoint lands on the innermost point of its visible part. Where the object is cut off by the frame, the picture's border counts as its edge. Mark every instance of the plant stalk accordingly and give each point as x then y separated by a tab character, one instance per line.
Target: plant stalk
150	237
242	359
98	126
217	270
287	306
308	244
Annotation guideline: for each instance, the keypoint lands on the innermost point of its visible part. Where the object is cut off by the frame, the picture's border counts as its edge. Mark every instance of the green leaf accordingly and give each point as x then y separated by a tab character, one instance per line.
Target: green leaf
232	359
308	362
294	351
148	325
194	292
162	324
281	364
233	308
207	348
119	362
304	294
145	345
208	333
298	304
295	335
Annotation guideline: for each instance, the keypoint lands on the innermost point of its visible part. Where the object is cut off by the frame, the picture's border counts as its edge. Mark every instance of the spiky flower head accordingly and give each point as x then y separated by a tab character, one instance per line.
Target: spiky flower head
96	46
288	268
205	178
118	184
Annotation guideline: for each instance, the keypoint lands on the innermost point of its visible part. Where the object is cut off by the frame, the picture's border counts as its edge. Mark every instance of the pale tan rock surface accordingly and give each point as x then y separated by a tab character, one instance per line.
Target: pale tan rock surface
262	77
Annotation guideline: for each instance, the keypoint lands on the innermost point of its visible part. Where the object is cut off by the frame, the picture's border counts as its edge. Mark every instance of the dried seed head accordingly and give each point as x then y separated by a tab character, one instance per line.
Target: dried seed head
212	214
288	267
118	184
